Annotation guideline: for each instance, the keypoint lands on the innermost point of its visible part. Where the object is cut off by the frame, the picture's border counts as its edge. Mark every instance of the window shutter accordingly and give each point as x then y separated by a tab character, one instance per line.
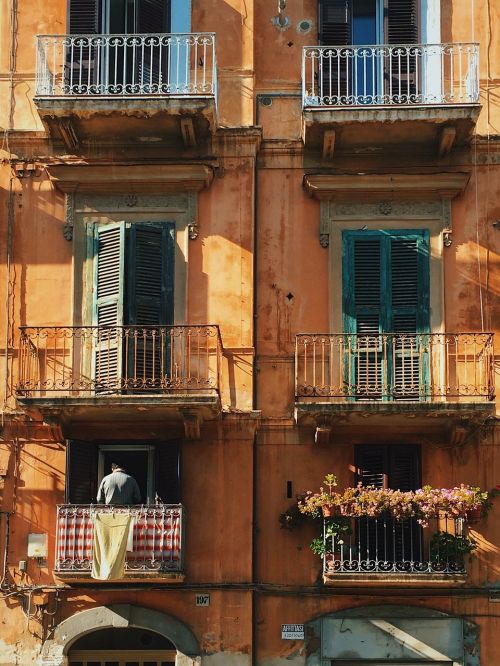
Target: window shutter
84	17
168	486
367	285
402	21
404	467
109	244
334	22
153	16
81	472
372	466
150	271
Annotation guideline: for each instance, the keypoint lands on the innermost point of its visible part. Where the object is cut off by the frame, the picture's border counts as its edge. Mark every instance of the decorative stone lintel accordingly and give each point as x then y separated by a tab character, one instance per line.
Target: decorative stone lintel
385	187
127	179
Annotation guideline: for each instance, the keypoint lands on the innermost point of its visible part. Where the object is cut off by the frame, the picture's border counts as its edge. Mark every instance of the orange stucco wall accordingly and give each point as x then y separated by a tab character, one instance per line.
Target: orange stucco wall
258	271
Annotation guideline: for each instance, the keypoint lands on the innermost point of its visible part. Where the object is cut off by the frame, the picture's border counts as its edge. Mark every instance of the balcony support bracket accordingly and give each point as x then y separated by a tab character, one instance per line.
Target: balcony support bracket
192	424
188	132
446	140
328	144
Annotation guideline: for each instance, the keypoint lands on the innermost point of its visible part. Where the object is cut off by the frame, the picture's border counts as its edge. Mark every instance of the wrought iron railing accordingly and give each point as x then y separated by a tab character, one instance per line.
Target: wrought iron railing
390	74
126	65
388	546
84	361
158	537
407	367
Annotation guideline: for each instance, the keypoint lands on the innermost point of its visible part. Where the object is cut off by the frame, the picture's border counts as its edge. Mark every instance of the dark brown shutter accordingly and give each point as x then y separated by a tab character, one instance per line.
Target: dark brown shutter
402	21
168	463
84	17
404	467
153	16
372	466
81	472
334	22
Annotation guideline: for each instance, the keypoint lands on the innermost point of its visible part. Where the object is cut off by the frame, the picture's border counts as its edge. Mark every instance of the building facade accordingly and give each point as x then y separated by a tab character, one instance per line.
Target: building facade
246	245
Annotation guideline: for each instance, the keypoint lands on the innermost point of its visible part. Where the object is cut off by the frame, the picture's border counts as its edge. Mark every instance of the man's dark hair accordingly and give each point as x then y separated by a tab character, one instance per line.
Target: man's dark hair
116	466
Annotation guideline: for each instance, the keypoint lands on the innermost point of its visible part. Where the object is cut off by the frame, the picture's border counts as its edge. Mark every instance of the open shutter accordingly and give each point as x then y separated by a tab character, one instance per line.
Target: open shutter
150	272
153	16
372	467
402	28
81	472
168	485
109	245
84	17
402	21
334	29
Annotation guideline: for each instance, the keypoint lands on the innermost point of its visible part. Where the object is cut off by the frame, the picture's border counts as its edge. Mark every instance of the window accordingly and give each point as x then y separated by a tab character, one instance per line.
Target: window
366	75
155	466
119	16
396	467
386	311
132	303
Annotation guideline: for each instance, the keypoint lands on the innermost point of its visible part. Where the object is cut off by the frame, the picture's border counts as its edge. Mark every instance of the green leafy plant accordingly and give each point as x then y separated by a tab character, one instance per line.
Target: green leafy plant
450	548
338	527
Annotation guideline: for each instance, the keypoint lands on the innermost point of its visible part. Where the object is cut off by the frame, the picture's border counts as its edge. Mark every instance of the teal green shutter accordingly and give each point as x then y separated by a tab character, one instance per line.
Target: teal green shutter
386	290
109	246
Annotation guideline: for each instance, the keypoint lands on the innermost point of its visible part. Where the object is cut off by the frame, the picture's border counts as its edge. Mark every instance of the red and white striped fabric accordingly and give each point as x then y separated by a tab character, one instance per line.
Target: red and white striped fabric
156	537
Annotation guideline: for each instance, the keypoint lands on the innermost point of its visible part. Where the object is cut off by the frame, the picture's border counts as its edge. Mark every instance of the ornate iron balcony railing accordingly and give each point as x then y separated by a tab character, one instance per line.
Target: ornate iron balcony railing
390	74
89	361
158	538
393	366
387	546
126	65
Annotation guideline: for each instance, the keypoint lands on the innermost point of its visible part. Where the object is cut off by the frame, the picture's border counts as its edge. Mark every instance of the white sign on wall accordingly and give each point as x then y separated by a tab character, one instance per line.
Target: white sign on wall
203	600
292	632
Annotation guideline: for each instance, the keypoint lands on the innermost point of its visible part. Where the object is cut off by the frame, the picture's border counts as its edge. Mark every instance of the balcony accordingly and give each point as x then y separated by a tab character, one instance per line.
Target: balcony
355	97
74	375
392	552
158	542
351	377
142	89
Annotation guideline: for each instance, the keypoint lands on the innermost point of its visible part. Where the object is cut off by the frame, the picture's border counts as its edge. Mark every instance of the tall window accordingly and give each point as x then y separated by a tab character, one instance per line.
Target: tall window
156	468
386	311
396	467
367	75
132	304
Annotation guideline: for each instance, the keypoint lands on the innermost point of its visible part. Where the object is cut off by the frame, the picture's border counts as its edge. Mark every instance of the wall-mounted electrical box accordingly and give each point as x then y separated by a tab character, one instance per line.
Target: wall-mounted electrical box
37	545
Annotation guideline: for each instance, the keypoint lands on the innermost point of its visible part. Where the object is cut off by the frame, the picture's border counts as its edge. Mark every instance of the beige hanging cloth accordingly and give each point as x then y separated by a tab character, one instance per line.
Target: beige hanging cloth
111	534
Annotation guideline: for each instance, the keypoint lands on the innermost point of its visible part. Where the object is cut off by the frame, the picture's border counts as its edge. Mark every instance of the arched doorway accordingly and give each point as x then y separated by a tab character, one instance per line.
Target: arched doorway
122	647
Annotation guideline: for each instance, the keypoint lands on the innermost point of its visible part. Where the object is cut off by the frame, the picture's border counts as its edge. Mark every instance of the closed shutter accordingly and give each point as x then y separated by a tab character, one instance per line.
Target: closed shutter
81	472
109	243
168	486
84	17
386	291
150	275
385	539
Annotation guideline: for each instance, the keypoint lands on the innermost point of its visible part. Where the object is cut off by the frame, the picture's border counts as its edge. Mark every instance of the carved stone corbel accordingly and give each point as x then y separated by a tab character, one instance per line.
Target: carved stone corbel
447	224
193	230
69	216
324	224
192	424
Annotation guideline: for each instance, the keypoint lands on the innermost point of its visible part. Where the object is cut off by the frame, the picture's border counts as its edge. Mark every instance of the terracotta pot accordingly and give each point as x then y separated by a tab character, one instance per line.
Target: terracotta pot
328	510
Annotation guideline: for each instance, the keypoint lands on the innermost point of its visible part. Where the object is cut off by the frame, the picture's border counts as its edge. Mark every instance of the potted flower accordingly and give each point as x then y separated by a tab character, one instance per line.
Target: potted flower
325	500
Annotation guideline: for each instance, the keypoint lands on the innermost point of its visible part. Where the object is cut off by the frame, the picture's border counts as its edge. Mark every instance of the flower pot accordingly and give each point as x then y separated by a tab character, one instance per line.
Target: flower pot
328	510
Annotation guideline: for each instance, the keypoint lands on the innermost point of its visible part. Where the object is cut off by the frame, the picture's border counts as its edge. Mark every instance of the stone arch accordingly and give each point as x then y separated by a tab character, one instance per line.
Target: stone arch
55	651
392	615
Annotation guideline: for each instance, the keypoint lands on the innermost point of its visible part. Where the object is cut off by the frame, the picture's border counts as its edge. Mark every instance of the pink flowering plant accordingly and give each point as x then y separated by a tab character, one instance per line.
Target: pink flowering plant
422	504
